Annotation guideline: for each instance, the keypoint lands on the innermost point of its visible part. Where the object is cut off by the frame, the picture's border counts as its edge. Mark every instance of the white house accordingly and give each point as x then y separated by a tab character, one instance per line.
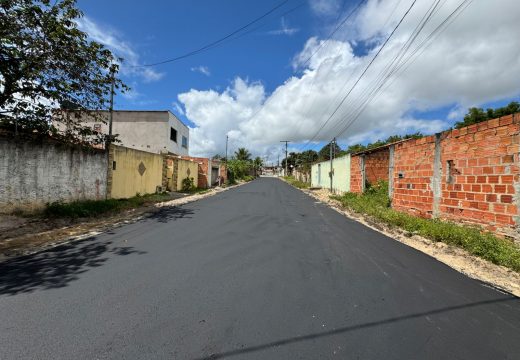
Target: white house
152	131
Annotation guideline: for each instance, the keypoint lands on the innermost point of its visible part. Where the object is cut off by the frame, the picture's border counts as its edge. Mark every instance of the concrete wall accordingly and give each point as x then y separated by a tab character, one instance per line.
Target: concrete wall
136	172
205	168
141	130
35	173
341	178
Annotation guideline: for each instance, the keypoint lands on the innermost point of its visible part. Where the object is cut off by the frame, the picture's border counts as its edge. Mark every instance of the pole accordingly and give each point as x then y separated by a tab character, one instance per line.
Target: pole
110	119
286	159
226	147
331	159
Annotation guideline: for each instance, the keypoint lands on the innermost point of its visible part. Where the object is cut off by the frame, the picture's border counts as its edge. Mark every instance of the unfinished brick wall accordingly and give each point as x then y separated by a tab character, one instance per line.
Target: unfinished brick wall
413	172
356	176
204	176
480	172
376	165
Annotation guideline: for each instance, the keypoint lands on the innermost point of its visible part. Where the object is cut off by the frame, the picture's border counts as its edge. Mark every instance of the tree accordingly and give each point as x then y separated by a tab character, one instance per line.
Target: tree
47	63
257	164
476	115
324	153
242	154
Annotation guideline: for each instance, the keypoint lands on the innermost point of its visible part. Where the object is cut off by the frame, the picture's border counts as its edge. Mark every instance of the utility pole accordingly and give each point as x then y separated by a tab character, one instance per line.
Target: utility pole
286	145
226	147
331	159
110	119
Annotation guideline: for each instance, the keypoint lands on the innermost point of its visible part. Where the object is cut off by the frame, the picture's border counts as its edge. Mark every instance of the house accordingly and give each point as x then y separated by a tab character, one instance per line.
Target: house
159	132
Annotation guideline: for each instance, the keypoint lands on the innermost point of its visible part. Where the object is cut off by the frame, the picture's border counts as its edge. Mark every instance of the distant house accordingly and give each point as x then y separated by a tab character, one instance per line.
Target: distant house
159	132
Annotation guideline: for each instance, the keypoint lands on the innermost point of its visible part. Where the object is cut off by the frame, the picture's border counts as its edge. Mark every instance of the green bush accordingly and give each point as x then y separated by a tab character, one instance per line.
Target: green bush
376	203
297	183
188	184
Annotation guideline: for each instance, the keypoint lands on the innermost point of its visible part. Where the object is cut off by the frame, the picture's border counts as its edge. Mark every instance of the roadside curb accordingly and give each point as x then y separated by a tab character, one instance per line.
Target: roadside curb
498	277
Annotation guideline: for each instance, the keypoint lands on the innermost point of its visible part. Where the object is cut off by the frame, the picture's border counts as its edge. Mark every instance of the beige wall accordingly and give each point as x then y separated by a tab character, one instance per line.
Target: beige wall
341	180
187	168
127	180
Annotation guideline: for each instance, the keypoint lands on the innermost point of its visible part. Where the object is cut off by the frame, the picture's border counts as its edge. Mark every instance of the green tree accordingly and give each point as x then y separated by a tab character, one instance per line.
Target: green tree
46	63
257	164
324	153
242	154
476	115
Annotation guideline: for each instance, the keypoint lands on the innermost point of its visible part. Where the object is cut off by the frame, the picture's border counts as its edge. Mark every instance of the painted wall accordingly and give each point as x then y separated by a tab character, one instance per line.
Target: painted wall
35	173
341	179
141	130
136	172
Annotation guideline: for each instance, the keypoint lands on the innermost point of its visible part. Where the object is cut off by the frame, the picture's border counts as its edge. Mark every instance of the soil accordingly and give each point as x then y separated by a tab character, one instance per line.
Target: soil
459	259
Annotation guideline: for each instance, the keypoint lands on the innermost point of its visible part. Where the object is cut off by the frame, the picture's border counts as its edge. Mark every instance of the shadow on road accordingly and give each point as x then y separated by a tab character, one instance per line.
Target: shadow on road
352	328
57	267
167	214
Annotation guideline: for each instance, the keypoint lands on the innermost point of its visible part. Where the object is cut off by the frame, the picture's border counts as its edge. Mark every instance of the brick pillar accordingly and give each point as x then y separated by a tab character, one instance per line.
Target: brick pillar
165	172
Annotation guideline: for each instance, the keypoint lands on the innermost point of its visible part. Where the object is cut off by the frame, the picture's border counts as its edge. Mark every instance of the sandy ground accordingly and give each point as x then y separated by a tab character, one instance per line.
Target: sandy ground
457	258
21	236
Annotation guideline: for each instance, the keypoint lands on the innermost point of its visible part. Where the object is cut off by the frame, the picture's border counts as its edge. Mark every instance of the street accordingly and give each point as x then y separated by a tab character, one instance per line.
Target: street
262	271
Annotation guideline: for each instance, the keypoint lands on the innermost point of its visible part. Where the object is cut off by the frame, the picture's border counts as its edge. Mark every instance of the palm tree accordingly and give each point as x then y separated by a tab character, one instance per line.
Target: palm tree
257	164
243	154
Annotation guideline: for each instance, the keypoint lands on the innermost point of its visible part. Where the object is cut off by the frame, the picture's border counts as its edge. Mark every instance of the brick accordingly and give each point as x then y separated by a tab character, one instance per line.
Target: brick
481	179
501	189
488	170
487	188
507	179
507	199
506	120
491	198
493	179
475	188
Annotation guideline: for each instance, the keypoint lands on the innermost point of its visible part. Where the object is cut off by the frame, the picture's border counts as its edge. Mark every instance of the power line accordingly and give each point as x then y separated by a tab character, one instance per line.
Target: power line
218	41
364	72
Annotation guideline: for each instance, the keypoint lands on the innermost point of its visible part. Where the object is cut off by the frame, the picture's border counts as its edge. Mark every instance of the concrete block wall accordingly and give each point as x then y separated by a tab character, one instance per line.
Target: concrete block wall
33	173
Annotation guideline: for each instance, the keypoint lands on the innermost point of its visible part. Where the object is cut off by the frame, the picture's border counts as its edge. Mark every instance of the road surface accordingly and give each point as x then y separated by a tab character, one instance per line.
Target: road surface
258	272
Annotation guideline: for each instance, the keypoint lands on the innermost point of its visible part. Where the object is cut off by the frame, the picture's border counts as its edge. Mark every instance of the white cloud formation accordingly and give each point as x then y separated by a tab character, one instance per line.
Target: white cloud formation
325	7
178	108
113	41
473	61
284	29
204	70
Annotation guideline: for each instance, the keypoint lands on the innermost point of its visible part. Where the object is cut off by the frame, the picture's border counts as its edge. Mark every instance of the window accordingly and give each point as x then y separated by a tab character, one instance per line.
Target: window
184	142
173	134
451	172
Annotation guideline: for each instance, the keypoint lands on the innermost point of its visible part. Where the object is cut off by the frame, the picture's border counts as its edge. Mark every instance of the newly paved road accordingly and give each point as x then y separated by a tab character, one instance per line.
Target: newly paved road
258	272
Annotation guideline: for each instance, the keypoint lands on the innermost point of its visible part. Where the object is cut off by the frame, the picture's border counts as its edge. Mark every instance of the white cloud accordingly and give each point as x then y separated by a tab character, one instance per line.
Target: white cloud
115	42
204	70
325	7
284	29
178	108
466	65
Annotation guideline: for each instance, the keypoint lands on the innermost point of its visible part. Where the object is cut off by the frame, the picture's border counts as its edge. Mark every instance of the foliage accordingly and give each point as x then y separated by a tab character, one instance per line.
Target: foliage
476	115
242	154
375	203
238	169
302	161
188	184
296	183
324	153
46	63
92	208
352	149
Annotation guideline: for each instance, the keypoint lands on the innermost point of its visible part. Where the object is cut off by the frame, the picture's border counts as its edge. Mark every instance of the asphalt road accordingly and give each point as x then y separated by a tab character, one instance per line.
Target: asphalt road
258	272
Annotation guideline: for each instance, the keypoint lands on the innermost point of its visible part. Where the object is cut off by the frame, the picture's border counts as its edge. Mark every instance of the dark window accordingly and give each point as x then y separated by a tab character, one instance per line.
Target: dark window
184	142
451	172
113	165
173	134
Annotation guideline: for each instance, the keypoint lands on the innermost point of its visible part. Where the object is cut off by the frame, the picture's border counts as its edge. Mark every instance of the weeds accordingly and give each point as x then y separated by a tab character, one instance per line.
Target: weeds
92	208
375	203
297	183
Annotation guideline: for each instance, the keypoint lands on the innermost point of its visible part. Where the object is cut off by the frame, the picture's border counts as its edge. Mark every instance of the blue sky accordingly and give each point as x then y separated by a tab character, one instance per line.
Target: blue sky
257	90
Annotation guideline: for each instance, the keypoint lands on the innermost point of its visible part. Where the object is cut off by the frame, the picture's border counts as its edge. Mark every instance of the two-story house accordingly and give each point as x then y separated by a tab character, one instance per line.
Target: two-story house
152	131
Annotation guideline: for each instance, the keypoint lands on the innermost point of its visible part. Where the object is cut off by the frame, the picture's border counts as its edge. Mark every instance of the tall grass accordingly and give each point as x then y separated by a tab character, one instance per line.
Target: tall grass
376	203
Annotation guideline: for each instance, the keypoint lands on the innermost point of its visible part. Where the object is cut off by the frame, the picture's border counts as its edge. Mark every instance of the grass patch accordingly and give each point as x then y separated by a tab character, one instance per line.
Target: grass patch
196	191
93	208
375	203
297	183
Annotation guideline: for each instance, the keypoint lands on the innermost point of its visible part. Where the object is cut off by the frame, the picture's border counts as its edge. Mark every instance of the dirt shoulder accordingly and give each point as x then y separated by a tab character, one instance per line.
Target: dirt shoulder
456	258
21	236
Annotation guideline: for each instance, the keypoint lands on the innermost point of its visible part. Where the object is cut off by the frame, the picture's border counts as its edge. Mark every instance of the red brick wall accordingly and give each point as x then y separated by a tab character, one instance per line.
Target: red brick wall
413	191
203	170
485	169
376	165
356	180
